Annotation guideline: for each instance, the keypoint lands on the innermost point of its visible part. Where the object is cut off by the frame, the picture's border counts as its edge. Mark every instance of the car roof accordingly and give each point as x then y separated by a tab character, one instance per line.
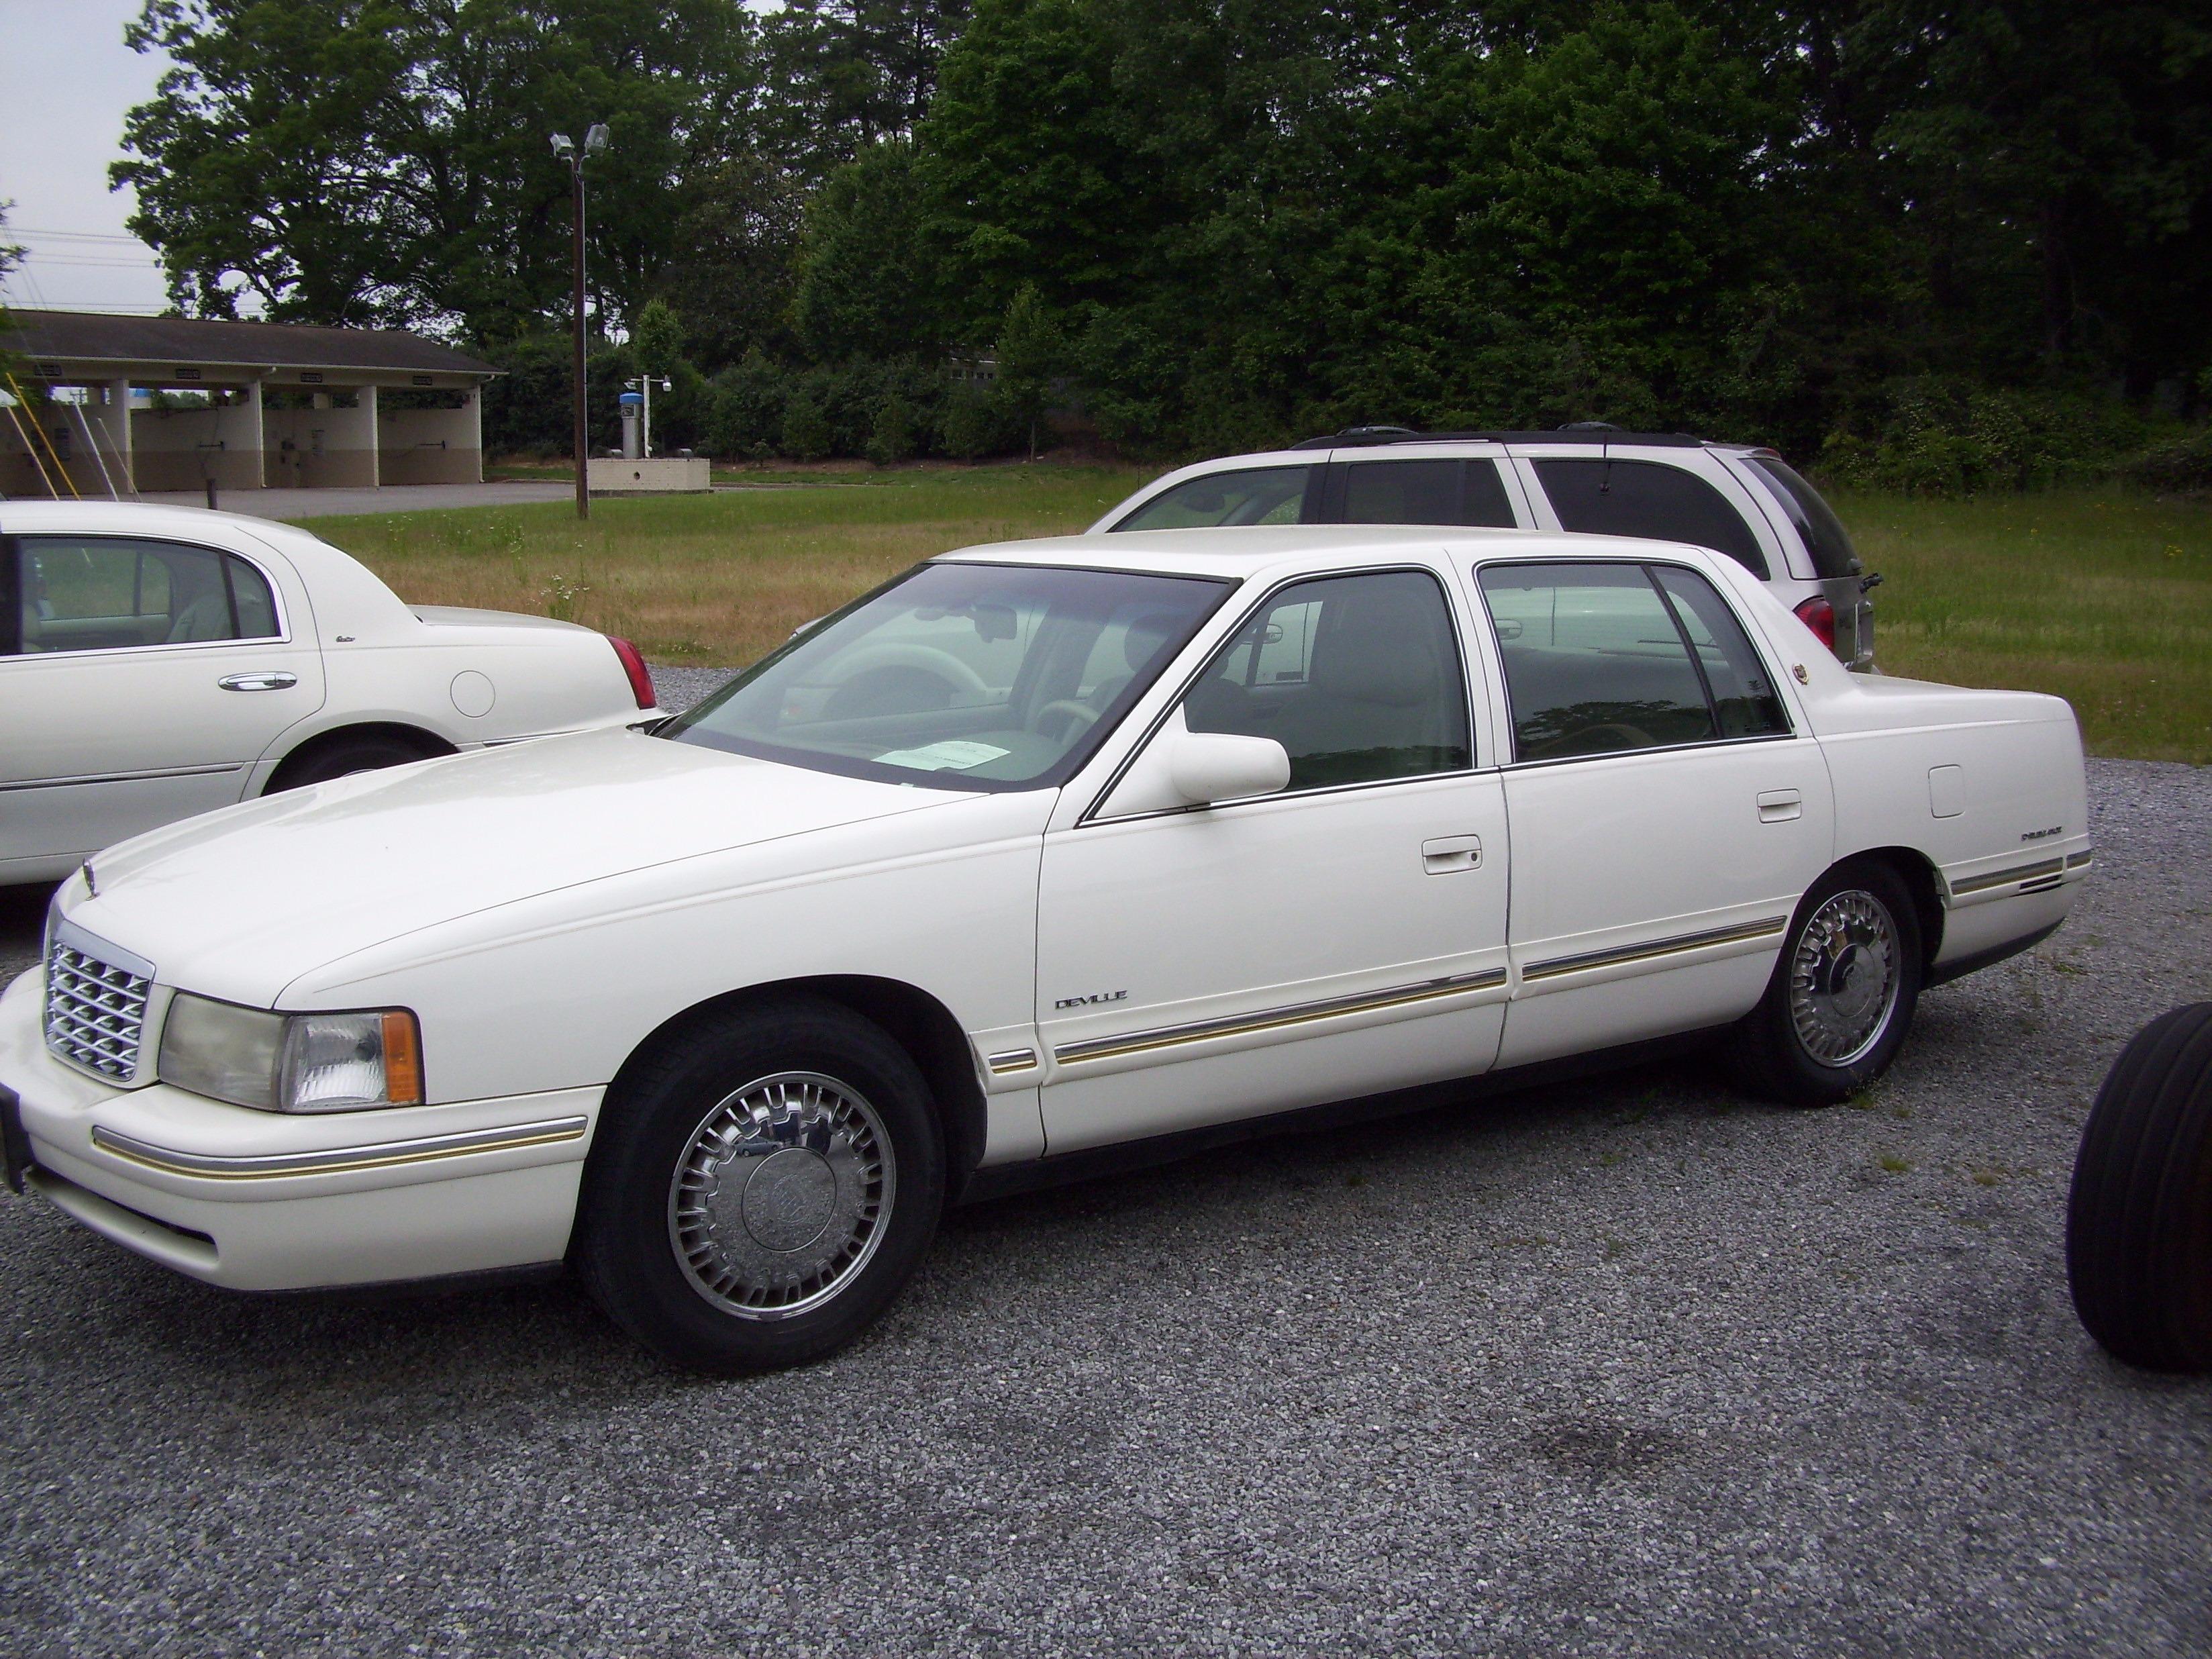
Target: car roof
19	517
1242	552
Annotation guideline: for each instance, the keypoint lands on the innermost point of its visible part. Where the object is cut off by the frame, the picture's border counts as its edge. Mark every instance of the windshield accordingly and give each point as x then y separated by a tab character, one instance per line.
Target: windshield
966	676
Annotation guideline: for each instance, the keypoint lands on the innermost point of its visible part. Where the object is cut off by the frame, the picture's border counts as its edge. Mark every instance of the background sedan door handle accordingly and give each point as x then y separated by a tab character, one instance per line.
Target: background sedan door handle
1451	852
1780	806
277	681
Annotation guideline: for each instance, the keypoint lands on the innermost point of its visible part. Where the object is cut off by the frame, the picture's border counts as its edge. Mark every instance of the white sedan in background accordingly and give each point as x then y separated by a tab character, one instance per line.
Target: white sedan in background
1045	854
160	662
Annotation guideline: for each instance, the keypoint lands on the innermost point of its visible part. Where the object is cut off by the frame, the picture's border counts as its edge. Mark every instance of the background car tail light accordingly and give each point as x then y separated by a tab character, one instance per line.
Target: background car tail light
641	682
1816	614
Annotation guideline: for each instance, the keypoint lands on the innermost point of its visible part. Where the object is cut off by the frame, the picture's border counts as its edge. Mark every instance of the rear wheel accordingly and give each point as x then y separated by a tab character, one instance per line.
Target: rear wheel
2139	1218
1843	995
762	1189
342	756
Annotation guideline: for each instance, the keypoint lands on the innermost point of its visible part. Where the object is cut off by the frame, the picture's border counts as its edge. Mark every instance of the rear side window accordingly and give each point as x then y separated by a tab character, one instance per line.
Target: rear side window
1606	497
104	593
1464	492
1261	494
1824	534
1604	658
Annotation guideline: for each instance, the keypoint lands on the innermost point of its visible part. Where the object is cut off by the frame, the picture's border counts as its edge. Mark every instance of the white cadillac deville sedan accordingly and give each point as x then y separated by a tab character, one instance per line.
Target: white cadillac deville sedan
156	662
1044	854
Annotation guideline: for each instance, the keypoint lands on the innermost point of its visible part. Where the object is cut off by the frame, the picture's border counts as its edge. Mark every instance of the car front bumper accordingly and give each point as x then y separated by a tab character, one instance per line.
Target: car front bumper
266	1201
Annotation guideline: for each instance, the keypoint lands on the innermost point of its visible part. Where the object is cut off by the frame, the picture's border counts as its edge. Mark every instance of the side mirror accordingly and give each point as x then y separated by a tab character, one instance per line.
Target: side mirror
1183	767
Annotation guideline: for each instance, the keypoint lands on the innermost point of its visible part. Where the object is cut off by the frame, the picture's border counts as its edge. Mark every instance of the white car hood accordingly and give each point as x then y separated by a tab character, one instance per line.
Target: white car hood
239	902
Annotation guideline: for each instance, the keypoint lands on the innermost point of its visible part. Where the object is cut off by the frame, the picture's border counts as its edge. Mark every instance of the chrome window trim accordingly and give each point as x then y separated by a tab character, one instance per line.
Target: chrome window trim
276	598
336	1160
1460	641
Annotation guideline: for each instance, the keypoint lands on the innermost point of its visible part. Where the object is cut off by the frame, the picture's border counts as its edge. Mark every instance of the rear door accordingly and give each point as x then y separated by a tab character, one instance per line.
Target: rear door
1667	810
142	678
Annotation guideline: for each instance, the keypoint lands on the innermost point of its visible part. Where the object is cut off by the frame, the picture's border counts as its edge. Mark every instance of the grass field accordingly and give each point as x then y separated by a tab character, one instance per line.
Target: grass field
721	578
2101	596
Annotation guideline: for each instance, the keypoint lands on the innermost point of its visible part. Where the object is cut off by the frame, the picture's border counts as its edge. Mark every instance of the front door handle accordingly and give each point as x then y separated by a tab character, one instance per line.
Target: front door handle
1449	853
274	680
1780	806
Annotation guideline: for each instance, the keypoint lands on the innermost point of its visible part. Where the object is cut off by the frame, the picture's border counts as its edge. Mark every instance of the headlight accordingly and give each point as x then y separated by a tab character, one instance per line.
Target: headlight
292	1062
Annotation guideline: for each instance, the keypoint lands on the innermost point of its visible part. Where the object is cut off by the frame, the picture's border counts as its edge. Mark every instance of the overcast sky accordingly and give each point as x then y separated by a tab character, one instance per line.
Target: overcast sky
66	79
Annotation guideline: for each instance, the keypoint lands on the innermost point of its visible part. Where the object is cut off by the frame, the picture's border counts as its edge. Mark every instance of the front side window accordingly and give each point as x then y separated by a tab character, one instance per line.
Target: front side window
1261	494
105	593
1604	658
1464	492
965	676
1358	677
1603	496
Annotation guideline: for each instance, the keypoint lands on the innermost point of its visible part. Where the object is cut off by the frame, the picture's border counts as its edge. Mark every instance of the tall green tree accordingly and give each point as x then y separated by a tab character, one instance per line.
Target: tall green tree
385	162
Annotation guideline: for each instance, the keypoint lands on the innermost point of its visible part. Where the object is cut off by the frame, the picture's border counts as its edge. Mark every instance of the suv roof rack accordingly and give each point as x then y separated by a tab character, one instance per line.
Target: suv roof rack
1582	432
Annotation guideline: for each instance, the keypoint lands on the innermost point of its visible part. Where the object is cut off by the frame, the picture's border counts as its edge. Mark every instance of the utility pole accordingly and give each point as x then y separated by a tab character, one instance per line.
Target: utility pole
595	143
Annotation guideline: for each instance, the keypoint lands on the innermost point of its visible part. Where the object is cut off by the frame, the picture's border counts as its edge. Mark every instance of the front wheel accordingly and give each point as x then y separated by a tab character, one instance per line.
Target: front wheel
760	1190
1842	997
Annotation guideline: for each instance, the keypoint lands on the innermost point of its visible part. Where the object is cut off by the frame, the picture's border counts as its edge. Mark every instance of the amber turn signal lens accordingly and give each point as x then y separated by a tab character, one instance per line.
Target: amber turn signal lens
403	1059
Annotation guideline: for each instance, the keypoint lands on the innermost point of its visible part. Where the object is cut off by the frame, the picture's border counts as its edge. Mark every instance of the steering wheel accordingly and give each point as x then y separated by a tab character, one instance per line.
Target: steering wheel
1081	713
1607	738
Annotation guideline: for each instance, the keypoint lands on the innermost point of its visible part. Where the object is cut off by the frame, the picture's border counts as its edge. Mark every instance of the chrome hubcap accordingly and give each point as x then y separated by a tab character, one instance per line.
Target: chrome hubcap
1844	978
780	1195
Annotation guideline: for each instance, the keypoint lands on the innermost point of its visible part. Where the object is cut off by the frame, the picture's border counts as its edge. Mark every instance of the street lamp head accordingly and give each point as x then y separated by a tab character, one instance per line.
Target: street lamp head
563	145
595	138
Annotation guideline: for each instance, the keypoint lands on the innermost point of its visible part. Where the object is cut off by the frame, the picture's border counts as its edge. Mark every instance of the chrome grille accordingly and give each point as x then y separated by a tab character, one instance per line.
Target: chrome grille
95	1012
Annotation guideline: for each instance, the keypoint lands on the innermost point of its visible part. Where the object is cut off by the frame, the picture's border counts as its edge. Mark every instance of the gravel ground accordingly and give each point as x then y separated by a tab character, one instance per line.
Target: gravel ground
1622	1367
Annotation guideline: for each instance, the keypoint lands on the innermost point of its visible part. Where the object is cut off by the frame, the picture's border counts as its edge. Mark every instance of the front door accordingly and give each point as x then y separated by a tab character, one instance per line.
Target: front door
141	680
1667	817
1342	937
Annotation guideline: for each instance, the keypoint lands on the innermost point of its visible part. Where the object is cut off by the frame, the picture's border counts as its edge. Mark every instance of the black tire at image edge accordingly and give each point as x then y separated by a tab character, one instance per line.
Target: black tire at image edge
2139	1214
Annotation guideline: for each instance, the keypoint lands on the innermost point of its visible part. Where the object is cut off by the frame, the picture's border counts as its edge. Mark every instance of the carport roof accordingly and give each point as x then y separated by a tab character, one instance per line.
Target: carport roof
94	337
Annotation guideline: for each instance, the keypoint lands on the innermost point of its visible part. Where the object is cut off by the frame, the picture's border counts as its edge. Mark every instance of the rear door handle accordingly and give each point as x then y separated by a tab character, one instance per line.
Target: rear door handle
1780	806
275	681
1449	853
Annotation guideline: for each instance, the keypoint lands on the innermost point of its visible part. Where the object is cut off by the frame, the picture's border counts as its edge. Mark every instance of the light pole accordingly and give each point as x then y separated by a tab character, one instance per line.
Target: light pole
644	384
595	143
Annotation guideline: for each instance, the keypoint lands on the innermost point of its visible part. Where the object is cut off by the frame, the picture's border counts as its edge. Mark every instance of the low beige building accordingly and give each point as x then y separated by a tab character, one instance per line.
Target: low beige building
241	405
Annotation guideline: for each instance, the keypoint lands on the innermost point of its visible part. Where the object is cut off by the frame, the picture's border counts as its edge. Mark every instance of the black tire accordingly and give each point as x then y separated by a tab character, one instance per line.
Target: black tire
2139	1218
718	1274
1770	1052
342	756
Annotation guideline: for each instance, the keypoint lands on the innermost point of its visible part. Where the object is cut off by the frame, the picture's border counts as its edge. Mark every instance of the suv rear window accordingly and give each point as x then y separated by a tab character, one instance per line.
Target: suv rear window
1607	497
1825	538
